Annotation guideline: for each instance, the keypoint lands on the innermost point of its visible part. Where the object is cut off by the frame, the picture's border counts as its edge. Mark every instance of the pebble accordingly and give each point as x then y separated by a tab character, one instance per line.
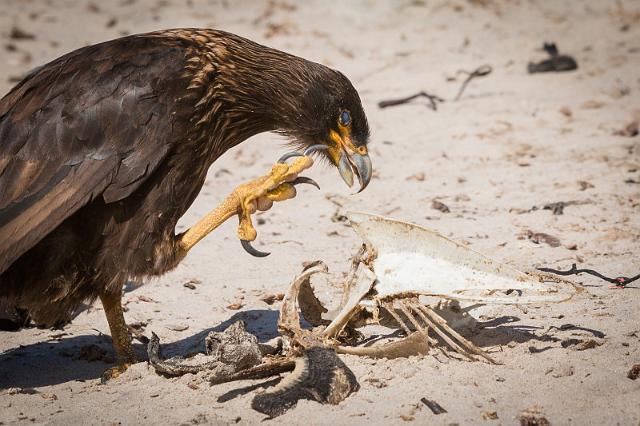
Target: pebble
177	327
562	370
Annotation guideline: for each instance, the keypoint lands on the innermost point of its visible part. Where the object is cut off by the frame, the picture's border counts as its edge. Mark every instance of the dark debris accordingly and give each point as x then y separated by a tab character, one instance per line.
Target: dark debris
556	62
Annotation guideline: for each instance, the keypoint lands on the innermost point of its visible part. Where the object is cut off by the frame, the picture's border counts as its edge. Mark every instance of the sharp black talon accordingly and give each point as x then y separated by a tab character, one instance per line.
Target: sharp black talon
288	155
311	150
304	179
246	245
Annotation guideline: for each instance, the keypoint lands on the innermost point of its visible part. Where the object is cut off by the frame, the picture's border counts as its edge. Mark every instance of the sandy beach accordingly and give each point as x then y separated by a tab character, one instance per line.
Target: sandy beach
479	170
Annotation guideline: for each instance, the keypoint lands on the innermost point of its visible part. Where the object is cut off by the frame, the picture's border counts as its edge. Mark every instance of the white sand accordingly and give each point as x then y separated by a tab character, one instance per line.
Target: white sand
505	147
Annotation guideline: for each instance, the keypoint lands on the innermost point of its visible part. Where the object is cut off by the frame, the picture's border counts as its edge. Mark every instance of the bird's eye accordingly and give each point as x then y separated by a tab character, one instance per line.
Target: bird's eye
345	118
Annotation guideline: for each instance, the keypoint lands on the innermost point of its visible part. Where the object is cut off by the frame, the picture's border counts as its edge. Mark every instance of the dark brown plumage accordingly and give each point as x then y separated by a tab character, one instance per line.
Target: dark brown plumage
105	148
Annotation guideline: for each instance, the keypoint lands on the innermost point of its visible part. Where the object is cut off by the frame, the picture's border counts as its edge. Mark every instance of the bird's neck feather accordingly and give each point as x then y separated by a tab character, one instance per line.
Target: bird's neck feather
246	88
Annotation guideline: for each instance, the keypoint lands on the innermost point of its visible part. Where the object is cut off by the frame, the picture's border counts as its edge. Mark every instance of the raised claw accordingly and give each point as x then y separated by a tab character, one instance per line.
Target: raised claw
288	155
311	150
304	179
246	245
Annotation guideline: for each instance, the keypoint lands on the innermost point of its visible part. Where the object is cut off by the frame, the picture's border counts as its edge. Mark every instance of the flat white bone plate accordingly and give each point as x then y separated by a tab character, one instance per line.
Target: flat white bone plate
415	260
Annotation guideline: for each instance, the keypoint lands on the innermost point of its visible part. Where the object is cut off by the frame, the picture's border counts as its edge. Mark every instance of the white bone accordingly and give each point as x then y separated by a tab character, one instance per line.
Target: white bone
364	281
413	344
415	260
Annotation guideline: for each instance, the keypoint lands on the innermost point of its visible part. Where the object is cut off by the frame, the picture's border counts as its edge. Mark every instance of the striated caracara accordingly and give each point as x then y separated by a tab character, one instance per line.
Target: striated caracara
103	149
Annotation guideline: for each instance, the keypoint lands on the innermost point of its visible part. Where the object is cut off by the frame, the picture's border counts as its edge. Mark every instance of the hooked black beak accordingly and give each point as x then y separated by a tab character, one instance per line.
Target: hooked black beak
350	158
360	164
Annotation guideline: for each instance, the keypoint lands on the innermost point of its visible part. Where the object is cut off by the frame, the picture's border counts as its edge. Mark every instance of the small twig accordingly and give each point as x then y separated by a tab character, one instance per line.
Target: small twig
433	406
619	282
478	72
433	99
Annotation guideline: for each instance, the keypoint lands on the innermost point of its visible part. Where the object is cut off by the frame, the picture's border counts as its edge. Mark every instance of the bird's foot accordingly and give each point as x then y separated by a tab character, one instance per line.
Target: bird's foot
115	372
259	194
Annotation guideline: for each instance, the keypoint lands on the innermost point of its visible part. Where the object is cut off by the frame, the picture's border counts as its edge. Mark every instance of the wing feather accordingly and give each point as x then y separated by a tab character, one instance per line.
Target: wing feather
95	122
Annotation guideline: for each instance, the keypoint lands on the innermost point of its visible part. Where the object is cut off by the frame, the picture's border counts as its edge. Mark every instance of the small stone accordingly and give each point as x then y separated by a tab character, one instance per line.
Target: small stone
564	110
579	344
177	327
440	206
138	325
588	344
541	237
49	396
191	284
490	415
584	185
563	370
409	372
235	306
533	417
634	373
377	383
270	298
420	177
23	391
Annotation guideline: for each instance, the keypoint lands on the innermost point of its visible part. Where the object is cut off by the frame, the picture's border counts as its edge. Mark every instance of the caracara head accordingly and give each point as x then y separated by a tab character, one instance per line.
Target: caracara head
328	112
311	104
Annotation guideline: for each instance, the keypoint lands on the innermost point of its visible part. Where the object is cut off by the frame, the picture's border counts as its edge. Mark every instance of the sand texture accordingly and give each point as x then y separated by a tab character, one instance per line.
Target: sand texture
478	170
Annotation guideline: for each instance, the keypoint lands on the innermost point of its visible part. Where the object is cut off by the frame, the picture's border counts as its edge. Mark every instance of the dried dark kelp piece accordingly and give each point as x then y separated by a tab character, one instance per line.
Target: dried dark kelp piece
557	208
556	62
481	71
433	100
319	375
618	282
433	406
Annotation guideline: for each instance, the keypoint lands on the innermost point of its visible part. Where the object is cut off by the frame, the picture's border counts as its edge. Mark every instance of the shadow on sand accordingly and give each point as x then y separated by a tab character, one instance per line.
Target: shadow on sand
56	361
